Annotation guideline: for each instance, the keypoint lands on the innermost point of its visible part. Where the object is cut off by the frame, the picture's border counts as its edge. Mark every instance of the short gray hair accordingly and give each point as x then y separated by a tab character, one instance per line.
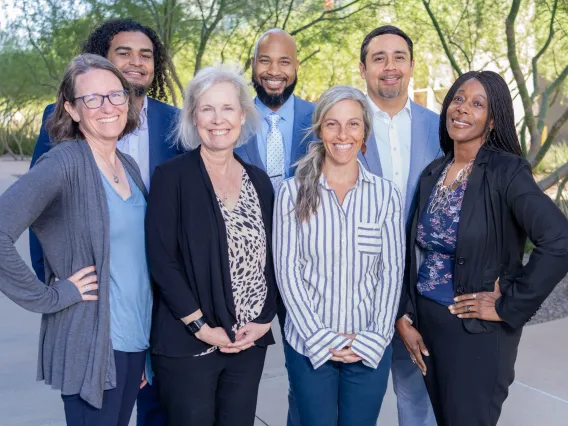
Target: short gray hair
309	167
188	137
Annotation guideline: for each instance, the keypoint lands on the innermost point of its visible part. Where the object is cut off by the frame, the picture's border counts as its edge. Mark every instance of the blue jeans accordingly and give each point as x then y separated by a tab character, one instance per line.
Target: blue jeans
412	400
337	394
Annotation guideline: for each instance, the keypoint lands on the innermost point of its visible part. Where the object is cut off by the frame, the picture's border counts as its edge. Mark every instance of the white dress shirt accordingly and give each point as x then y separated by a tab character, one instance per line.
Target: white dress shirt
340	271
393	138
137	145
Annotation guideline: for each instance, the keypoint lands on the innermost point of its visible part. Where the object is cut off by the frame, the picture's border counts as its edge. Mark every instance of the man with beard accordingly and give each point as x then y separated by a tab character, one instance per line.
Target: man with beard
286	119
137	51
404	141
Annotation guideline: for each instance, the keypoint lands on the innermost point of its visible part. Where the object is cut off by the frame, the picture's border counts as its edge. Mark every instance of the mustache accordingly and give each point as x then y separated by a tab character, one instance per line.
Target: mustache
276	100
383	77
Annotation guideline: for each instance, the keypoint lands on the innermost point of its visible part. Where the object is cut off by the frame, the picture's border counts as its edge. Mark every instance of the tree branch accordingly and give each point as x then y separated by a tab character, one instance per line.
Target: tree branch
519	78
440	33
554	129
544	47
558	174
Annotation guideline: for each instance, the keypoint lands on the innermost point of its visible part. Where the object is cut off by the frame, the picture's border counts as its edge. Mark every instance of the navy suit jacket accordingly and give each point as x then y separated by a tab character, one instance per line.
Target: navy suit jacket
303	111
161	123
424	148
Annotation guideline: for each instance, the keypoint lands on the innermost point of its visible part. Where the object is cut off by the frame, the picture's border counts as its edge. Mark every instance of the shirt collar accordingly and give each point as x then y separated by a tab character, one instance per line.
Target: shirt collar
376	110
143	116
363	176
286	111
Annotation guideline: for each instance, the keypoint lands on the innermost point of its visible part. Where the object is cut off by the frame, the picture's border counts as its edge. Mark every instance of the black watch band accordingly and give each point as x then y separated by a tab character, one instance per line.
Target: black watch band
195	326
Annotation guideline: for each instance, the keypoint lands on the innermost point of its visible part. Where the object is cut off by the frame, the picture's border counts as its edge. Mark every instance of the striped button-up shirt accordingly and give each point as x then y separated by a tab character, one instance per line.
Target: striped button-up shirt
341	271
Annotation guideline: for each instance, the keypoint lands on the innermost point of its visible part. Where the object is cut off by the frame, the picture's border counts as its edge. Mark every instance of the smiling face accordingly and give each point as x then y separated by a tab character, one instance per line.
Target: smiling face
219	117
342	132
275	68
467	114
104	124
387	68
133	54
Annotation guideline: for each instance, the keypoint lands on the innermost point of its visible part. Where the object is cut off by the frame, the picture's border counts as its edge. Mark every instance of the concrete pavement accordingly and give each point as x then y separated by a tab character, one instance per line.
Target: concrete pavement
539	396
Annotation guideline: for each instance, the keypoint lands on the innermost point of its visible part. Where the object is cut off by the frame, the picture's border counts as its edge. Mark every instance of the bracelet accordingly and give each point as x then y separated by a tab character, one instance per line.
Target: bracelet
407	318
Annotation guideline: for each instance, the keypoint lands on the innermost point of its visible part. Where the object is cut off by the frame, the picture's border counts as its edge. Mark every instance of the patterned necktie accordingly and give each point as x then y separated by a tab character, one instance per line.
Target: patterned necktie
274	151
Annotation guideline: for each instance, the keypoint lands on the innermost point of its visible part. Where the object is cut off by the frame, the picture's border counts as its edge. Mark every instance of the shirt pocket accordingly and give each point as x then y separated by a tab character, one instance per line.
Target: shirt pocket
369	240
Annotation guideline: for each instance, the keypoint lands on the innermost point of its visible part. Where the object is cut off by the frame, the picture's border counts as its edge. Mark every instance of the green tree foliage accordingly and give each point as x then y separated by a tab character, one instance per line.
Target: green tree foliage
525	40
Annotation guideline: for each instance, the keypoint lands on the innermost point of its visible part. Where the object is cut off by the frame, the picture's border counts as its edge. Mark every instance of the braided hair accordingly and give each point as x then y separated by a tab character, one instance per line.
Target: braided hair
503	136
101	37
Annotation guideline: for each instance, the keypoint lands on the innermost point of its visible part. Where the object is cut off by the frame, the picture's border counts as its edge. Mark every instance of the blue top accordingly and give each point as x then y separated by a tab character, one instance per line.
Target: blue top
286	126
436	237
130	290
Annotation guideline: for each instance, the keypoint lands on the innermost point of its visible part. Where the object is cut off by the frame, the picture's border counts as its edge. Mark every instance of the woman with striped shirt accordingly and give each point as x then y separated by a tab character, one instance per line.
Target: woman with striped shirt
339	260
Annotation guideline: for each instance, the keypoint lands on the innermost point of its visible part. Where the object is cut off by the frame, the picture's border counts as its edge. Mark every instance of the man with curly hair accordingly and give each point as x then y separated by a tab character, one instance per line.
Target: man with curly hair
138	53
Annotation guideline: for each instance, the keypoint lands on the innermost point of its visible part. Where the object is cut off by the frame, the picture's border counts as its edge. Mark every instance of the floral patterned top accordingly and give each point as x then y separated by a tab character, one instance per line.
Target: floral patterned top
436	237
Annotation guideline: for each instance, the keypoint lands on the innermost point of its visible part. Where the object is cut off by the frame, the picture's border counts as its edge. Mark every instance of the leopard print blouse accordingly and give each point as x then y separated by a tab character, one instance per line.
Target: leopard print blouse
246	238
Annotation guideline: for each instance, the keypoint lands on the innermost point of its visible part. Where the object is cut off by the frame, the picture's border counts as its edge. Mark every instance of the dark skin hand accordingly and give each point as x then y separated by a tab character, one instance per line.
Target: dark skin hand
413	342
481	305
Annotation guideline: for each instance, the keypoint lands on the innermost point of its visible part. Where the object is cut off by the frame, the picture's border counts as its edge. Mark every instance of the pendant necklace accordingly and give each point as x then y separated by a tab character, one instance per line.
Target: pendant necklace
114	176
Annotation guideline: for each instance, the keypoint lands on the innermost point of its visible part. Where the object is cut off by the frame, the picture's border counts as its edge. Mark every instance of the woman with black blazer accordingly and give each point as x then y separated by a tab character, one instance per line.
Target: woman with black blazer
209	227
466	294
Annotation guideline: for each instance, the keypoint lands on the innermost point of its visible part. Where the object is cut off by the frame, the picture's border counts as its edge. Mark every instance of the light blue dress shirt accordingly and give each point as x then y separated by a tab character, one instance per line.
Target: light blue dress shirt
130	290
286	126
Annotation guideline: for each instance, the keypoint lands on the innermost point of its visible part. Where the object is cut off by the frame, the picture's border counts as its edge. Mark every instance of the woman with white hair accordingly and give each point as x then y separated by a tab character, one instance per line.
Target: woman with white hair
339	260
208	224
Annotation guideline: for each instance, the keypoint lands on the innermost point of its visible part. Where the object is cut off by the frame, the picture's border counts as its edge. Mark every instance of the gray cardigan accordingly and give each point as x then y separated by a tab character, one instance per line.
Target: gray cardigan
62	199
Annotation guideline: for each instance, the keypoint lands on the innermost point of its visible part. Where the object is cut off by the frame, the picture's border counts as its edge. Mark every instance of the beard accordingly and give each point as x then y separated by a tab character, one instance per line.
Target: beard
139	90
390	92
276	100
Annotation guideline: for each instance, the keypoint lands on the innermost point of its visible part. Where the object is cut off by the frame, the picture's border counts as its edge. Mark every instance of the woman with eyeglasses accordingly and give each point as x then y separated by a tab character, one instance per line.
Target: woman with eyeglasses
86	203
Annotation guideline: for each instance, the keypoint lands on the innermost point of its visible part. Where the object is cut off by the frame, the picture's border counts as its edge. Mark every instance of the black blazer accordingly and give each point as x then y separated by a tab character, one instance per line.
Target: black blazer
188	254
501	206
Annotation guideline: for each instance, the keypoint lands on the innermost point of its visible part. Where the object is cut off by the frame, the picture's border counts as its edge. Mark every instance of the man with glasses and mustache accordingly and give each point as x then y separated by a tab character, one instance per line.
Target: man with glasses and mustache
138	53
404	141
286	119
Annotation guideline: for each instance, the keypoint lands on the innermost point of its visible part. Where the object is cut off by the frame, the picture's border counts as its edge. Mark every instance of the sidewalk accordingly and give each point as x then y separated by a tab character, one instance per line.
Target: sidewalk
539	396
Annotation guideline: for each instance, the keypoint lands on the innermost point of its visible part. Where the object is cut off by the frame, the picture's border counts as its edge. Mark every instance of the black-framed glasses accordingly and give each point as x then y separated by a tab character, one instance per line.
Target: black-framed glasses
120	97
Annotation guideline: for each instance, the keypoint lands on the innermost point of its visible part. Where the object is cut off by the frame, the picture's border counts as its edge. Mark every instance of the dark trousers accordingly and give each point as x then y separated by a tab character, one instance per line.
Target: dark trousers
149	412
117	403
338	394
215	389
468	375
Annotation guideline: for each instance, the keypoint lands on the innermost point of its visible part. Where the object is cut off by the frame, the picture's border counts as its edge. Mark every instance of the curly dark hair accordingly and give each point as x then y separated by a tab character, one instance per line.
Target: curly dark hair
503	137
101	37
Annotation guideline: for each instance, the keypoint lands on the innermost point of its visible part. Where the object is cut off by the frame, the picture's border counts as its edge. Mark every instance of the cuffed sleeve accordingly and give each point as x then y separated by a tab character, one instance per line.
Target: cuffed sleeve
318	338
370	344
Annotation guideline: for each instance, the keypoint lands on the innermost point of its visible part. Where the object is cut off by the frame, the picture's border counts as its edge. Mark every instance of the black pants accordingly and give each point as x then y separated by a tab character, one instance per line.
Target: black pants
215	389
468	375
117	403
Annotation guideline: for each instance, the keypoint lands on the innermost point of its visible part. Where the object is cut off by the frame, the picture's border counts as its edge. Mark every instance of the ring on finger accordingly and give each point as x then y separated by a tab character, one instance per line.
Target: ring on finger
413	361
86	288
468	308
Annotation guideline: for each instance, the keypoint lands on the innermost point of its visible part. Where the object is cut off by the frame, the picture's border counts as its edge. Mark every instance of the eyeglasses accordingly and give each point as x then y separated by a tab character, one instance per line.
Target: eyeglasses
120	97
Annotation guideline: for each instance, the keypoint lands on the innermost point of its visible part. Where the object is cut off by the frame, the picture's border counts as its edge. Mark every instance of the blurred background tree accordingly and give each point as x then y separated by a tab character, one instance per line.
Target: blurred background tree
526	41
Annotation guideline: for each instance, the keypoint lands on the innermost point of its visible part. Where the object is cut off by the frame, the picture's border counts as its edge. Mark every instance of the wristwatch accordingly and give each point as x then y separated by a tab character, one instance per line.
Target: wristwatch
195	326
